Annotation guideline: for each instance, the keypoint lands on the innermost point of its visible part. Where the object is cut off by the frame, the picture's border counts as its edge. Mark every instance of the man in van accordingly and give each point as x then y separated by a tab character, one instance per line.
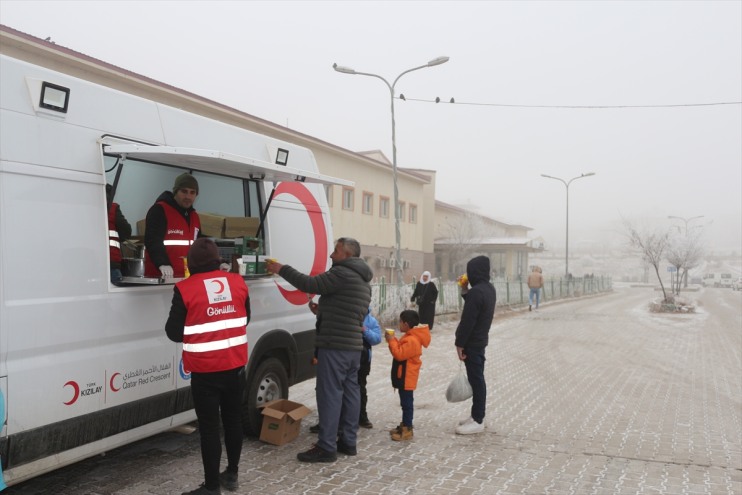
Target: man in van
119	230
345	295
172	225
209	314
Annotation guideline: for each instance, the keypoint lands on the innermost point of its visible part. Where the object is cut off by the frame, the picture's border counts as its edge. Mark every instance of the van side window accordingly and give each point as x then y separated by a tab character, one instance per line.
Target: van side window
138	184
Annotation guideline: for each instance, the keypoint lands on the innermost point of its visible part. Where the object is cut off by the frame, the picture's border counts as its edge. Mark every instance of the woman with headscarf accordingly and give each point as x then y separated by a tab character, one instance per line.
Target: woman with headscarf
425	296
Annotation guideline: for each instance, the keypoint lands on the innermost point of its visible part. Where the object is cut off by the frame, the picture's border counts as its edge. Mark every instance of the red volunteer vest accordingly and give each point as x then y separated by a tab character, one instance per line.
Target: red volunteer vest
178	239
215	335
114	244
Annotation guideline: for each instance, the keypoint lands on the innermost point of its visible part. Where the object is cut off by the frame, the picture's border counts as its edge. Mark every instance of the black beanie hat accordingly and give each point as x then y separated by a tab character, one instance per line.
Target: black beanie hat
185	180
203	256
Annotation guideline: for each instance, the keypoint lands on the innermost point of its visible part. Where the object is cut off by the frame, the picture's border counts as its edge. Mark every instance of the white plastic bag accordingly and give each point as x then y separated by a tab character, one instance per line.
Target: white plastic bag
459	389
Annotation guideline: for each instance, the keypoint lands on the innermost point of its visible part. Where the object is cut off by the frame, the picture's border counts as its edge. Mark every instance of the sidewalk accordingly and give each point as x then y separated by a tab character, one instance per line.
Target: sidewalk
592	396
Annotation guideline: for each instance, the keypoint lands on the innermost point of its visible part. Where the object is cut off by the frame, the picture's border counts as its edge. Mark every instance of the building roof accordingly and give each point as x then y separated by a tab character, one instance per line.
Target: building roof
441	204
489	241
47	53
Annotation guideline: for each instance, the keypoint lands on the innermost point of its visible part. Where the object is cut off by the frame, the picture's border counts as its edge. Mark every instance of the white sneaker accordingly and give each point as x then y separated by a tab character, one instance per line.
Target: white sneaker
470	428
466	421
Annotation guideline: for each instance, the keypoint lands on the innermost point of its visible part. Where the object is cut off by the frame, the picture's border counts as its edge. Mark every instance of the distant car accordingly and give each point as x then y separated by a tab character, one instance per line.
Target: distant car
737	284
717	280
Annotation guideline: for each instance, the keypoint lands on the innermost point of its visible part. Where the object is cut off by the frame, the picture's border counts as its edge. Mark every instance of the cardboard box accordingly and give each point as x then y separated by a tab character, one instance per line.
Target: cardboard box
212	225
282	421
240	226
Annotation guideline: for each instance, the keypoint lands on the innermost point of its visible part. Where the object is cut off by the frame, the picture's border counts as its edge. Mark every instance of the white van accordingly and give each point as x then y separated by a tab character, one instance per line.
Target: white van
85	365
718	280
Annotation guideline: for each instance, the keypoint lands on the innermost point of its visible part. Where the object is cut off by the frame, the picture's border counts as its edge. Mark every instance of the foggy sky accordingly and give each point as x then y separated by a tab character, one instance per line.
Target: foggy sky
274	60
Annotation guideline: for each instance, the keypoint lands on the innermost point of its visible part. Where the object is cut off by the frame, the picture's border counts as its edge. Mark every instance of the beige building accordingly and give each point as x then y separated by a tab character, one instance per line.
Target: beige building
364	211
461	234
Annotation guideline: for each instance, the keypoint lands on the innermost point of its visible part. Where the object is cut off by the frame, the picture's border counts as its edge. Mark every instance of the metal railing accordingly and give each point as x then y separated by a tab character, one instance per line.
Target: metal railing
388	301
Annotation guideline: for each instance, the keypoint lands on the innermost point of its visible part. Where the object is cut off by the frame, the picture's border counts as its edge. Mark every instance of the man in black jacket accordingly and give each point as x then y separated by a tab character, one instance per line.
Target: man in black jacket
472	337
172	225
345	295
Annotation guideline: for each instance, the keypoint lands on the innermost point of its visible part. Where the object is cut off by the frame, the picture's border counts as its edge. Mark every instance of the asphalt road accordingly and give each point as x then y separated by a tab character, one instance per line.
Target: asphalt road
590	396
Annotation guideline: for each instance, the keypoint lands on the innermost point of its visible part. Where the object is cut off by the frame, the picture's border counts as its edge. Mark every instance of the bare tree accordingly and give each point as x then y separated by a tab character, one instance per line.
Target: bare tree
652	246
465	233
684	253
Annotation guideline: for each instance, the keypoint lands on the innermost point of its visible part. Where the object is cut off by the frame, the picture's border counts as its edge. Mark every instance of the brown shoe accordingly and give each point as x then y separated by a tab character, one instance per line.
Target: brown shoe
396	429
405	433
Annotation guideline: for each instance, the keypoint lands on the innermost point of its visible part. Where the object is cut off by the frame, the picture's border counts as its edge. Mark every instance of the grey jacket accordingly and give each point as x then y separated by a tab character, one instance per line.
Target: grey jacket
345	295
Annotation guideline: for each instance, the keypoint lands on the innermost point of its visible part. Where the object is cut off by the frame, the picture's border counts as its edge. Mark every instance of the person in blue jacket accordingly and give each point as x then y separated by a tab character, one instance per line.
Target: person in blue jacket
371	337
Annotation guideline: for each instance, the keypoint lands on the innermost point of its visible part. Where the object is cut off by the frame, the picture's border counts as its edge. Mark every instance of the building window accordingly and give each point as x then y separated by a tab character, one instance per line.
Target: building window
402	211
368	203
328	193
384	207
413	213
348	199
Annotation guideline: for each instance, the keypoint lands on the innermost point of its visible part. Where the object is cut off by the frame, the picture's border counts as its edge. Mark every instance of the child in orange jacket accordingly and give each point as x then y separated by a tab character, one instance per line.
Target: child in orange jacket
407	353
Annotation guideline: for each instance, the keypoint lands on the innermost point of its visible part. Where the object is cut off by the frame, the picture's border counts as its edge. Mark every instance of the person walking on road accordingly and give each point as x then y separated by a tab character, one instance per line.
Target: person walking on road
425	296
472	337
535	283
209	313
345	294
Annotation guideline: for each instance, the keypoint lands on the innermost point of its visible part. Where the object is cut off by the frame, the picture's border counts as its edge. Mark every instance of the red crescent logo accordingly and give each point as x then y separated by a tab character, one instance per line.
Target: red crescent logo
221	286
76	388
111	382
300	192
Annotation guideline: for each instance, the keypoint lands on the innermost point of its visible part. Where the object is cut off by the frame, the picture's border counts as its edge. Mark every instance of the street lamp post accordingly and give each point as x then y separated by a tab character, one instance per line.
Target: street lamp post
566	184
348	70
686	220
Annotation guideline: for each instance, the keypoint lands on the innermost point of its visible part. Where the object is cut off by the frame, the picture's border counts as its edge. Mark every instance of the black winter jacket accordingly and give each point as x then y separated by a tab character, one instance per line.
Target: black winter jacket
345	295
479	306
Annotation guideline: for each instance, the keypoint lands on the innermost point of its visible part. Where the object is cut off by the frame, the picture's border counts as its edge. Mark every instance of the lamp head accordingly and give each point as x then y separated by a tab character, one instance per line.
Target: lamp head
438	61
344	70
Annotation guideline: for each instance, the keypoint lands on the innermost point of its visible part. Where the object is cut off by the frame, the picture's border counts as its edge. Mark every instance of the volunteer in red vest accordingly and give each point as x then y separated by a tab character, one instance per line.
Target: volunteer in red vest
209	314
119	230
171	227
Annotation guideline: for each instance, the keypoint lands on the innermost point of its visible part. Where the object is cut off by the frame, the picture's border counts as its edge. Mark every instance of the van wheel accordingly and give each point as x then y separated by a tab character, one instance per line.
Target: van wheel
270	382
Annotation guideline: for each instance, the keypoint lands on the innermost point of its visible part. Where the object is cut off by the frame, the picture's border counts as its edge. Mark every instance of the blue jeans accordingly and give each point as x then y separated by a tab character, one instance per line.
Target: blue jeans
407	401
474	363
338	397
534	292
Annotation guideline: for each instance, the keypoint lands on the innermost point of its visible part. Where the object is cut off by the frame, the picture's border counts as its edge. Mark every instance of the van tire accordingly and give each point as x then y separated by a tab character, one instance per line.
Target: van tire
270	382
